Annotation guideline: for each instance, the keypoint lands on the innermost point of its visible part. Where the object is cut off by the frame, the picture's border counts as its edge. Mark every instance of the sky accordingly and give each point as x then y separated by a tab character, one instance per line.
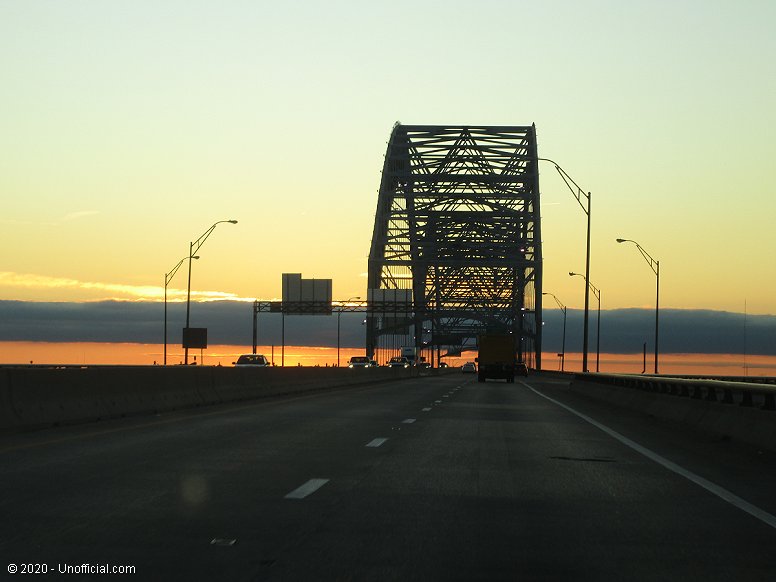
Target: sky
129	127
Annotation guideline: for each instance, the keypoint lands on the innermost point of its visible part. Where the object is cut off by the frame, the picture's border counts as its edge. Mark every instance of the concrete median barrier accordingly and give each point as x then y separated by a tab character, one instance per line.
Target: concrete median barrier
32	398
7	415
749	424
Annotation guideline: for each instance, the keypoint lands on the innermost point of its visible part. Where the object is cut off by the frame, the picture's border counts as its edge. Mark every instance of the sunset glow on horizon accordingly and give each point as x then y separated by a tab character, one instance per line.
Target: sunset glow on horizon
128	354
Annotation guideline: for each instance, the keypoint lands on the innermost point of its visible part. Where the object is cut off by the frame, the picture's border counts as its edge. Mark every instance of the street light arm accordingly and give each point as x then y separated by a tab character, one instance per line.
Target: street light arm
653	264
596	291
168	276
195	246
562	307
578	193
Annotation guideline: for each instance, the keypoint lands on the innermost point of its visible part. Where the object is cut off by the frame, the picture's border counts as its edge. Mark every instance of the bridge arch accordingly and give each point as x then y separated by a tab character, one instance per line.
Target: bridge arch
457	227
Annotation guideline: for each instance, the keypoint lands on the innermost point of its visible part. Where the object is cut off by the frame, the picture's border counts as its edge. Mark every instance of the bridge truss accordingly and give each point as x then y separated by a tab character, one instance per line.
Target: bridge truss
458	224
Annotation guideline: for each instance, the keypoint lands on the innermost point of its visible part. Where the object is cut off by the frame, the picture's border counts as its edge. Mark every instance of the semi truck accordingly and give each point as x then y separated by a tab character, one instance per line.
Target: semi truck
496	357
413	356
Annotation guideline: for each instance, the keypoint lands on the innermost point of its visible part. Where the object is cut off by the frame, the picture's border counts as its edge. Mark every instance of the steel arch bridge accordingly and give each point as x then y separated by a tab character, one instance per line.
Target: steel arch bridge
458	225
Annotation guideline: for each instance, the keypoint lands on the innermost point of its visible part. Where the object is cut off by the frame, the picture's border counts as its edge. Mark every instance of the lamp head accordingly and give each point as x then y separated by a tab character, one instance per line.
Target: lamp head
232	221
621	240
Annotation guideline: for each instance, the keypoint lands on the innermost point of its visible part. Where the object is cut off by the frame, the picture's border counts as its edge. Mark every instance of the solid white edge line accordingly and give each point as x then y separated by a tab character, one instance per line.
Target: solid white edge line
376	442
713	488
310	487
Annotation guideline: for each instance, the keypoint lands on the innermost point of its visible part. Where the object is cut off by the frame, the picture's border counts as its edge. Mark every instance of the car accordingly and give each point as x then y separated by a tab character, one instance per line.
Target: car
424	365
359	362
469	368
521	369
398	362
251	361
443	365
374	363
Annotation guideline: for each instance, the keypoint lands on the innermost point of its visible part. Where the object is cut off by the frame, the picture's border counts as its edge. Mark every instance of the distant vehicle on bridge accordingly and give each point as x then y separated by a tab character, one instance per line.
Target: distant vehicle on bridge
411	354
497	357
469	368
359	362
399	362
251	361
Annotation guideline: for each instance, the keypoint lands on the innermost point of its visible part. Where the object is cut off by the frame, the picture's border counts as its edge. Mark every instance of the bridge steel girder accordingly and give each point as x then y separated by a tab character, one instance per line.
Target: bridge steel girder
458	223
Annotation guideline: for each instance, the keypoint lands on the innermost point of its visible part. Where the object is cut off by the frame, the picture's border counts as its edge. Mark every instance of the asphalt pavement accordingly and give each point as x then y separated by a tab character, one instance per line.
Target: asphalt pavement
431	478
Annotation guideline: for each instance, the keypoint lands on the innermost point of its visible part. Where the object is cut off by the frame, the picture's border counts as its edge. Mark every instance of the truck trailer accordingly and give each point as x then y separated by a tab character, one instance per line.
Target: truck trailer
496	357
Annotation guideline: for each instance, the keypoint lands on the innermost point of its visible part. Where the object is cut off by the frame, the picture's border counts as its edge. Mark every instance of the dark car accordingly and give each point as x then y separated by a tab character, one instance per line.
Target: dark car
251	360
398	362
359	362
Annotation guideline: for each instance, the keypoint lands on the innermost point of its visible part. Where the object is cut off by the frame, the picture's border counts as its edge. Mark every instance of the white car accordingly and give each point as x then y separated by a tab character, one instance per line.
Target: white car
469	368
251	361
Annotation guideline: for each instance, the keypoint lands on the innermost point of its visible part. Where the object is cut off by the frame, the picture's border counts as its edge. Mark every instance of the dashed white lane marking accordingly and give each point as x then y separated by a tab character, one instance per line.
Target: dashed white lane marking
376	442
310	487
446	396
408	420
713	488
438	401
426	409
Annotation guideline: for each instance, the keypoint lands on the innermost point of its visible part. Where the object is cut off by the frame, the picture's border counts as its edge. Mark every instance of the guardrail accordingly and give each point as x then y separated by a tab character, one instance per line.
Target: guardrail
747	394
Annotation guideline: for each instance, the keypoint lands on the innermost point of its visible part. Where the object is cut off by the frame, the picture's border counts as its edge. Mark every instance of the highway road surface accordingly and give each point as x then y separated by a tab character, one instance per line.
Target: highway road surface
431	478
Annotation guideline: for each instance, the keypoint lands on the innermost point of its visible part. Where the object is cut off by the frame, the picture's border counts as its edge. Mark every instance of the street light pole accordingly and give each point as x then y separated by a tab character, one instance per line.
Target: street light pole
597	293
563	348
579	194
655	266
193	248
167	278
339	312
